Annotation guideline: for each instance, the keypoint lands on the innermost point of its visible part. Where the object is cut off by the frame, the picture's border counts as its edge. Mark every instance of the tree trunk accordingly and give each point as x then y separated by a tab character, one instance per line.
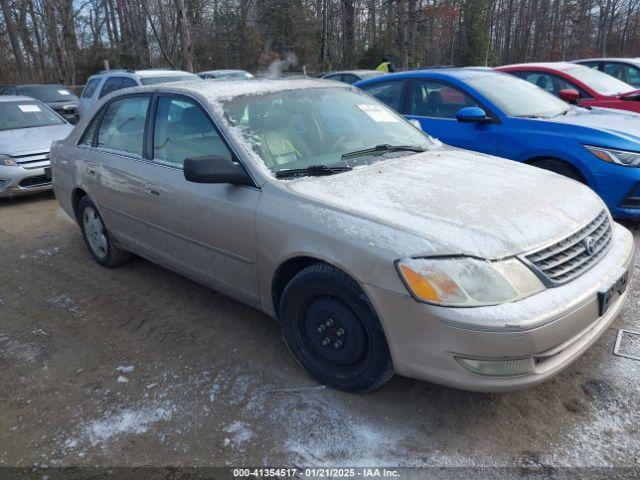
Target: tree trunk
13	39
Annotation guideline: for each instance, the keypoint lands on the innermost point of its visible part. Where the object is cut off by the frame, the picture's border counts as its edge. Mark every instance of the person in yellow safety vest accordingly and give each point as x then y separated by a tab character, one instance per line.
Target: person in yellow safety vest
386	66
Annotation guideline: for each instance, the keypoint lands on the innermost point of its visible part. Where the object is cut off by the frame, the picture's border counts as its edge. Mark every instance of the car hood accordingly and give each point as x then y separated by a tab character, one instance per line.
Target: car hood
450	201
36	139
618	122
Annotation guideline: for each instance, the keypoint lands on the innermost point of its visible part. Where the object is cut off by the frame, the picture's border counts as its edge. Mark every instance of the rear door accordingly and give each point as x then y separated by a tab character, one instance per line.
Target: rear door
119	167
206	231
435	103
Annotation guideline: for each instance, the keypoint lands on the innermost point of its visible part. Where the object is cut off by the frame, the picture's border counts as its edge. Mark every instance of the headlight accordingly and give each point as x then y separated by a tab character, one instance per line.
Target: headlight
621	157
467	282
7	161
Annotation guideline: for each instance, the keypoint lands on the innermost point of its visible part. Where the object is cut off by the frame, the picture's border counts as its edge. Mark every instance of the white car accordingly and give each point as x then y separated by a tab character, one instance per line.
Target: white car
109	81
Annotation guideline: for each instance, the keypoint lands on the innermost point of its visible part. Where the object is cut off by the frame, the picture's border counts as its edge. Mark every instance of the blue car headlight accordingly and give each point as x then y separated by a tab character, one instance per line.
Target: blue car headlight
621	157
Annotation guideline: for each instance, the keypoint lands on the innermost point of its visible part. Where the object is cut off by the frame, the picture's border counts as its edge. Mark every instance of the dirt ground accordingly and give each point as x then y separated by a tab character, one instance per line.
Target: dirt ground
140	366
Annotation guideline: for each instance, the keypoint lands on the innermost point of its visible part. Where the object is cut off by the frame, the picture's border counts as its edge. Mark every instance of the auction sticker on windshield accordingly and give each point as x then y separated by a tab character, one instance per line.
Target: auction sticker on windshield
378	113
63	92
29	108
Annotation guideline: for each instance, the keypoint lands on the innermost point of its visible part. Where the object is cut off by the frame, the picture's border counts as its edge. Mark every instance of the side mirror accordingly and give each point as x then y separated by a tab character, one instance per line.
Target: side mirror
569	95
213	169
472	115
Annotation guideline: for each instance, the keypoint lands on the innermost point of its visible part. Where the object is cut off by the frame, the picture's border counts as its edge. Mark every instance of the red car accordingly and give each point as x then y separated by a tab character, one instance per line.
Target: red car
578	84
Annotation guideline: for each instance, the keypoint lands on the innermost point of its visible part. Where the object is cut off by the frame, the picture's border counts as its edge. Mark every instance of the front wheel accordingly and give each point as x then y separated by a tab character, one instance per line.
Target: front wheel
96	236
333	331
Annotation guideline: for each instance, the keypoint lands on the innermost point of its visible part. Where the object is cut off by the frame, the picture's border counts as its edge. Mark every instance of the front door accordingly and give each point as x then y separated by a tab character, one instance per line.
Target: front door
435	105
204	230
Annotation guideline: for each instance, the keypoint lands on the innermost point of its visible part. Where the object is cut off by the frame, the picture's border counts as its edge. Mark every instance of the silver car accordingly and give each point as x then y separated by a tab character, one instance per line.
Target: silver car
377	248
27	129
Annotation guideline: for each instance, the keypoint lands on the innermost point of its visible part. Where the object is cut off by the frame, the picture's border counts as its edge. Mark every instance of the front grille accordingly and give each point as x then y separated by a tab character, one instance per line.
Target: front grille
32	160
37	181
565	260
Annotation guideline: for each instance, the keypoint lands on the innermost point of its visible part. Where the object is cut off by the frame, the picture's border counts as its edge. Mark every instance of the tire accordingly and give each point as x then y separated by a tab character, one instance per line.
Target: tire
97	238
561	168
333	331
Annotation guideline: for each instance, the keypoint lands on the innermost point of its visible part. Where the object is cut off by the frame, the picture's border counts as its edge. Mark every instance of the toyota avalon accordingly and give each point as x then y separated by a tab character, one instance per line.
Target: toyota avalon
325	209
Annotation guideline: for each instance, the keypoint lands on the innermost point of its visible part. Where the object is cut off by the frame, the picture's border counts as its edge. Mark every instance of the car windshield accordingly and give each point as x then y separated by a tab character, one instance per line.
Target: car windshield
600	82
297	129
47	93
169	78
517	97
26	114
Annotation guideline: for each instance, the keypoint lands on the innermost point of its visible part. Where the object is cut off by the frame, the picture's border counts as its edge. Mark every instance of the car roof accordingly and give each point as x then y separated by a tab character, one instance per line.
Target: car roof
16	98
635	61
141	73
355	72
229	70
461	73
550	65
226	89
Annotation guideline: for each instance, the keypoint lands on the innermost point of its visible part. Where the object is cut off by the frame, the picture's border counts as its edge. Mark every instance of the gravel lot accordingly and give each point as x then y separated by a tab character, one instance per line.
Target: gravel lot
139	366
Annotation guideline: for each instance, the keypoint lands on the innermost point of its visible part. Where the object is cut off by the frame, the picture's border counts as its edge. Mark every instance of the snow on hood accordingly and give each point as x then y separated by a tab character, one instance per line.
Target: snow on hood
36	139
452	201
619	122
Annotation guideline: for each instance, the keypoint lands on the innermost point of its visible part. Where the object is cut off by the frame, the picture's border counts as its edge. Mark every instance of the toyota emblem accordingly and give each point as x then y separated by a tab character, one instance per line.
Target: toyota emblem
589	245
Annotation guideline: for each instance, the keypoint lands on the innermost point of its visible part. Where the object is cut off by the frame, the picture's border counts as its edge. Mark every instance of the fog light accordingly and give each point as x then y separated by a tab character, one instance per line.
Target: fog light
497	368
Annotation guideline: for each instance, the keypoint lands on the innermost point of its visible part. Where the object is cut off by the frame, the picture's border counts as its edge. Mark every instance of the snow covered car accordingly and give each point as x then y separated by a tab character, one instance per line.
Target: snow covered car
27	129
378	249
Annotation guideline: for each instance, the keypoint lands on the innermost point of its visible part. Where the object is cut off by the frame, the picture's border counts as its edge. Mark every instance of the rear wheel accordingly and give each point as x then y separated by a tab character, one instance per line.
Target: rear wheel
560	167
96	236
333	331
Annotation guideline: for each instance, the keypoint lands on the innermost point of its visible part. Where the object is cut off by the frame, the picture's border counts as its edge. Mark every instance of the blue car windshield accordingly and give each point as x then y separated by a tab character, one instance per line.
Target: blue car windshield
517	97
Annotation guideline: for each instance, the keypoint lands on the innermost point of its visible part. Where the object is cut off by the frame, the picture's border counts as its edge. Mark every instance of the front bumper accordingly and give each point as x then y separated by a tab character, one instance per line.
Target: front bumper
17	181
553	327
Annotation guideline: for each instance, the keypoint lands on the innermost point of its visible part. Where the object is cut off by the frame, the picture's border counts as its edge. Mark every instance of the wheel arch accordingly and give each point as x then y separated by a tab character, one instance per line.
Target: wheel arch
576	168
76	195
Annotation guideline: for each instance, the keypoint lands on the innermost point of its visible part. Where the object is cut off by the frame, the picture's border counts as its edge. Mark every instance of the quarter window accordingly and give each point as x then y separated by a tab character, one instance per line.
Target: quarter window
90	132
122	126
183	130
387	92
430	98
90	88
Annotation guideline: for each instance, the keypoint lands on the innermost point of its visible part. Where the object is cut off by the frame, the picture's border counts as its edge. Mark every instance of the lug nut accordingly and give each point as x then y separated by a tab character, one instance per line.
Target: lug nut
340	332
326	342
328	323
337	344
321	328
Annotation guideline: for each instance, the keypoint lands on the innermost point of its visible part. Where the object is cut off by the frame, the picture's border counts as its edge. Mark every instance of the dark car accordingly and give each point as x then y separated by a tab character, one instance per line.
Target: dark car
55	96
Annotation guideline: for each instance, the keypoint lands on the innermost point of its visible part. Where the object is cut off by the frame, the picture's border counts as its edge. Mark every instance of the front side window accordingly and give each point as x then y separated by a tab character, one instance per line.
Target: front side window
431	98
26	114
326	127
90	88
633	75
350	79
387	92
183	130
128	83
122	126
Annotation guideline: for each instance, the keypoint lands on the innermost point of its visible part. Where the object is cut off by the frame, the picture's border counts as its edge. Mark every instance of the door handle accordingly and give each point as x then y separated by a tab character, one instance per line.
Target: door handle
152	190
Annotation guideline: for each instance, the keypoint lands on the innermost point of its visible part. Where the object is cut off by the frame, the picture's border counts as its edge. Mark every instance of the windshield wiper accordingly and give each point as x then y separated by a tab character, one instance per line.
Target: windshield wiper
384	148
312	170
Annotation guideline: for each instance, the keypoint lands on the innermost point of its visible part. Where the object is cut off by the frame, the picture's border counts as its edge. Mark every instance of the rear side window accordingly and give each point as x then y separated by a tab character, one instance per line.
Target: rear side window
122	126
184	130
90	88
387	92
128	83
111	85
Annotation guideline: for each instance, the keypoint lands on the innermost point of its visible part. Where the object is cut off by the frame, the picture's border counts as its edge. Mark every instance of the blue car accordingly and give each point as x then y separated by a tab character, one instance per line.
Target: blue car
499	114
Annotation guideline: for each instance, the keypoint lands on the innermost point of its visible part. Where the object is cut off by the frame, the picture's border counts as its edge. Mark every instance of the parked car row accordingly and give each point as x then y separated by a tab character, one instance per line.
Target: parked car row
337	210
